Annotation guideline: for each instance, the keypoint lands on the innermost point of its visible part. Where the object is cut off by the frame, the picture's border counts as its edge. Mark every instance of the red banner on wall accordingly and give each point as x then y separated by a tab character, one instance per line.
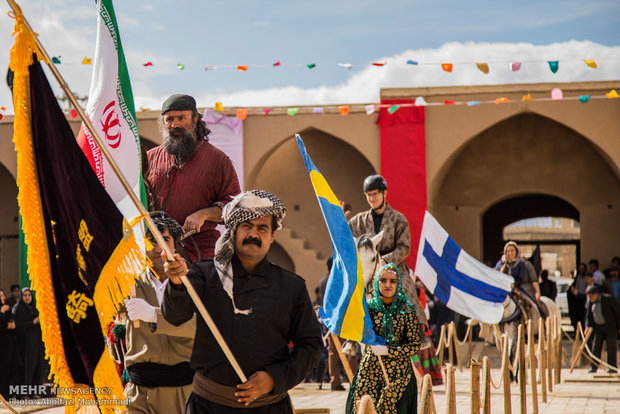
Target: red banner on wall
403	164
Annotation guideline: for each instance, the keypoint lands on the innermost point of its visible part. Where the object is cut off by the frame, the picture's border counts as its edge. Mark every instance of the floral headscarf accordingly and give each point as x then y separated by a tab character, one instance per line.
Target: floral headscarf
400	303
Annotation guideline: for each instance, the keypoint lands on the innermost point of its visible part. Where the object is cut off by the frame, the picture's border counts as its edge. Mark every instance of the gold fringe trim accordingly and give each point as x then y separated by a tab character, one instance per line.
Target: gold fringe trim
29	200
106	379
117	277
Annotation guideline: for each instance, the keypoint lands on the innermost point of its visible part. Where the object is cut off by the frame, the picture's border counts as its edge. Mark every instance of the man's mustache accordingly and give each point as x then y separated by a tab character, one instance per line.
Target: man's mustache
252	240
176	131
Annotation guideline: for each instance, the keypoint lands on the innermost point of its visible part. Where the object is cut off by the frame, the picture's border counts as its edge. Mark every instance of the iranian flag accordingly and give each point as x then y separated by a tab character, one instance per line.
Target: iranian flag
111	110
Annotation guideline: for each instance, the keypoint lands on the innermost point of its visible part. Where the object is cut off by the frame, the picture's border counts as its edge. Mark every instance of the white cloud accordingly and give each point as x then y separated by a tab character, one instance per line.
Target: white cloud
364	86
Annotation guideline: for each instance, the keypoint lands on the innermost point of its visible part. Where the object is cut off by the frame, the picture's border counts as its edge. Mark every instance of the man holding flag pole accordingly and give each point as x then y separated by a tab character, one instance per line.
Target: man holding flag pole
82	254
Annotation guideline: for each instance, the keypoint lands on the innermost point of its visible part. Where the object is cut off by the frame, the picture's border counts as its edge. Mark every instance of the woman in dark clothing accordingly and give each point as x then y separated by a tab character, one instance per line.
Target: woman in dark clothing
8	346
29	338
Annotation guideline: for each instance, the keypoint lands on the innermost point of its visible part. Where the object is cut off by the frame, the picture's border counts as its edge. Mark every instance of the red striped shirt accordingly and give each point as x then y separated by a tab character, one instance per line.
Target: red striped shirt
207	179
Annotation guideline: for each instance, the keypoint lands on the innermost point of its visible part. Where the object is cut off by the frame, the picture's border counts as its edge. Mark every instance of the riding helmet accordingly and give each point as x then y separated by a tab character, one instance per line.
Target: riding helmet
374	182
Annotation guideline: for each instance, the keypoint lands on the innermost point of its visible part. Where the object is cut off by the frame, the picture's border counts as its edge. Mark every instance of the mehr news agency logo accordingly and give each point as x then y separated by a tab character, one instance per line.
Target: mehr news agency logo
62	396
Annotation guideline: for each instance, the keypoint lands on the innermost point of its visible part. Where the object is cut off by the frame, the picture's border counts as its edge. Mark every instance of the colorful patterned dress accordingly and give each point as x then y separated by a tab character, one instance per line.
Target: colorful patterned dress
398	324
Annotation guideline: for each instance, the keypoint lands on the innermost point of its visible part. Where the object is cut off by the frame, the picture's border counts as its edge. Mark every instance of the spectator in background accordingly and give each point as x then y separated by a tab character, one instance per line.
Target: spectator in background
28	327
8	346
548	287
615	262
603	315
15	294
599	277
576	297
612	284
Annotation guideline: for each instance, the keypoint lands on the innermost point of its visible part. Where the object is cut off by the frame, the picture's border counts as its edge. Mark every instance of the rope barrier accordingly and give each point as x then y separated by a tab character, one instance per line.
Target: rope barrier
589	355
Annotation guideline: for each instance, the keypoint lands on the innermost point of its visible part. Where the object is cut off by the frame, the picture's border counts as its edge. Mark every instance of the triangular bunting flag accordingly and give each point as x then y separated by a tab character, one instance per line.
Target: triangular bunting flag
484	67
242	113
447	67
590	62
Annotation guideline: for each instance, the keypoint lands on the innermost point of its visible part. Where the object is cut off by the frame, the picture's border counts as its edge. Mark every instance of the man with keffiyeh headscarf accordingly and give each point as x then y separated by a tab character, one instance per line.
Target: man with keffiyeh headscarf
258	307
394	318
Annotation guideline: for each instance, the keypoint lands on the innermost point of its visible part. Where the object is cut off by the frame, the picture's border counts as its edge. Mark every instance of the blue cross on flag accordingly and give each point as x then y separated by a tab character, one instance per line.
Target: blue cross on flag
461	282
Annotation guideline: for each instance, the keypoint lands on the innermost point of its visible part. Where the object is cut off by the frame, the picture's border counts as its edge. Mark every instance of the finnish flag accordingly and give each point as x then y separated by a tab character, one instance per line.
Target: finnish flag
461	282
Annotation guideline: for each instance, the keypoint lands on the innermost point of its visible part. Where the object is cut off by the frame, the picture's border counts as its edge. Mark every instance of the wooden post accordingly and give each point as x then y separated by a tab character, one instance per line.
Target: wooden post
581	348
486	386
530	342
522	376
542	360
442	344
456	347
450	390
451	343
506	377
426	400
558	351
576	343
470	339
343	358
549	355
474	381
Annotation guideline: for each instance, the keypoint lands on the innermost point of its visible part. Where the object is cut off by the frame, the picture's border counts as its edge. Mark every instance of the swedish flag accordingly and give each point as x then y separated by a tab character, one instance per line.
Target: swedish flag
344	310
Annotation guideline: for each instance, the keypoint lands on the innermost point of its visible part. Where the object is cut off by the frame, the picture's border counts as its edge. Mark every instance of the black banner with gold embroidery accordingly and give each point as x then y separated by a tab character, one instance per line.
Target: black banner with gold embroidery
83	224
82	255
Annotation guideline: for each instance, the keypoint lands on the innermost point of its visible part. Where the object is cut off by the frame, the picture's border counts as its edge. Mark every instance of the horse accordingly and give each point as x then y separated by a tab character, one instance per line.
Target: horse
369	257
518	309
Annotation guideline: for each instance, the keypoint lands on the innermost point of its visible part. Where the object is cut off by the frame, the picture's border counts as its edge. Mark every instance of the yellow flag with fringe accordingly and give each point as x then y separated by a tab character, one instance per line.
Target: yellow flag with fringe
82	254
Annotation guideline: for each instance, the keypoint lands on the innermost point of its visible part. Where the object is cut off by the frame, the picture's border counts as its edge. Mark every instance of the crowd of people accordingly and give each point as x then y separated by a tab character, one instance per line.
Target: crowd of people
172	361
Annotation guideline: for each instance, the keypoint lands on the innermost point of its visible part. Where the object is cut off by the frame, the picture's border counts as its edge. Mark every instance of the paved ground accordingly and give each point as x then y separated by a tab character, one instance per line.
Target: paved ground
578	393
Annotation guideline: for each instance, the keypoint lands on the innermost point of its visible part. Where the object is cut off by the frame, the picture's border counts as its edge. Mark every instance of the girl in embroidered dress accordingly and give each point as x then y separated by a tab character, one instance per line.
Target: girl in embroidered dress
394	318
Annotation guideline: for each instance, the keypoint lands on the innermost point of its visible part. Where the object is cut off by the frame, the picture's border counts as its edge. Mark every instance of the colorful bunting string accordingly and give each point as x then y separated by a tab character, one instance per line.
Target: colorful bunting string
369	109
484	67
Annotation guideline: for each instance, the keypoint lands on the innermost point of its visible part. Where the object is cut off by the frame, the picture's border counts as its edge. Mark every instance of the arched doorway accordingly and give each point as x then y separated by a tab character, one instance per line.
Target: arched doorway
280	257
283	173
305	238
519	167
512	210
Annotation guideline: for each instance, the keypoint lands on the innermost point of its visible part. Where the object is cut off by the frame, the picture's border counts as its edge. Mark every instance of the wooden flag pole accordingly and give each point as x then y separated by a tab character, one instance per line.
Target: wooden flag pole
343	357
149	222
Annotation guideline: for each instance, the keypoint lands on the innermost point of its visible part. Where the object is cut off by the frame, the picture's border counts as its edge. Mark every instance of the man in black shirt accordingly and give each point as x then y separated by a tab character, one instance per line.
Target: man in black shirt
258	307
